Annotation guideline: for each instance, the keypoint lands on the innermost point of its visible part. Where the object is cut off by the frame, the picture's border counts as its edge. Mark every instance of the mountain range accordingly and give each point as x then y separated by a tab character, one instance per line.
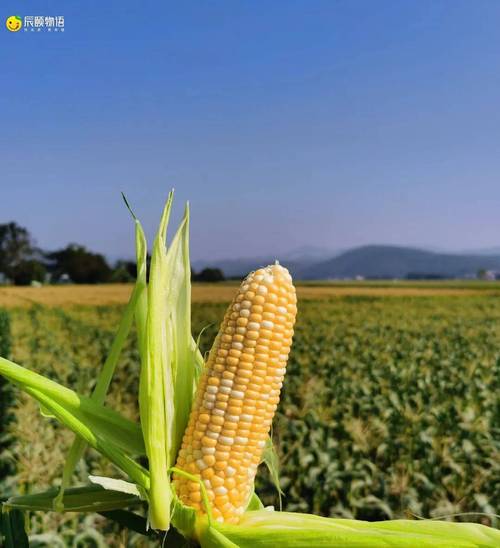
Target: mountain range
370	261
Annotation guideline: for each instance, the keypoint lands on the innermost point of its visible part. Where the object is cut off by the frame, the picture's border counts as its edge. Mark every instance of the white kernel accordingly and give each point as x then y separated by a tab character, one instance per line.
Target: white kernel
226	440
213	435
221	490
261	443
225	390
212	389
262	290
208	450
281	310
220	519
218	412
208	404
267	324
209	397
253	326
246	418
207	484
226	383
246	304
236	306
237	345
237	394
283	357
230	471
201	464
244	313
240	439
232	418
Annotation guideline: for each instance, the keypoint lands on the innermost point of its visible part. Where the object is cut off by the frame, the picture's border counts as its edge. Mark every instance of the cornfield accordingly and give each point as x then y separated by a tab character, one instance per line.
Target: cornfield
396	416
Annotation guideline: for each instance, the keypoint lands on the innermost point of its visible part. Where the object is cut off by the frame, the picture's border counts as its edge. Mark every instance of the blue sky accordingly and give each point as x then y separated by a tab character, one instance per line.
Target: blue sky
334	123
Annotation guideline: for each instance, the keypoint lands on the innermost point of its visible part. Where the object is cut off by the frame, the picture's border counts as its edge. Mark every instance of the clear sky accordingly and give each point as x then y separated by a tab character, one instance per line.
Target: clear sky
285	123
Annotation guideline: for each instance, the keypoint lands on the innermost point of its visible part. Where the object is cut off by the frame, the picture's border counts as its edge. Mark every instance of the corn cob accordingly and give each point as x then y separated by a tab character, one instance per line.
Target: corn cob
238	394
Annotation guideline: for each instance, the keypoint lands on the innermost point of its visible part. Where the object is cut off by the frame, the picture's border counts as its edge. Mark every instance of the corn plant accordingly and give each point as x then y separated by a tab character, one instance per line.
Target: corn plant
204	428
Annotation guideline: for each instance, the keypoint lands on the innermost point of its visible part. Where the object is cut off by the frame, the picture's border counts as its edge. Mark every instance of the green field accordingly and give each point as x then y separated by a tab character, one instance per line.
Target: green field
390	405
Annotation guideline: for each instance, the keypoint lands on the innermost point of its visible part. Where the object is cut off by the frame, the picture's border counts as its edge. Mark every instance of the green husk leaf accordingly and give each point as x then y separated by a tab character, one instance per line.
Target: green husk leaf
105	422
141	309
267	529
46	414
184	519
114	484
171	361
212	537
96	437
156	383
90	498
254	504
183	353
271	460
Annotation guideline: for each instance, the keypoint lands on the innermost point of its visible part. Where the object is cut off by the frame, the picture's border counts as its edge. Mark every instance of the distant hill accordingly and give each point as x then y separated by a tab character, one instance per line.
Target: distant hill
298	261
370	261
237	268
384	261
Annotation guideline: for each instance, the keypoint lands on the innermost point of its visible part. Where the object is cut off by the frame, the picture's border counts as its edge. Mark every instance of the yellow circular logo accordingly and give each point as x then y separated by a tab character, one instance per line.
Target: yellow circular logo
14	23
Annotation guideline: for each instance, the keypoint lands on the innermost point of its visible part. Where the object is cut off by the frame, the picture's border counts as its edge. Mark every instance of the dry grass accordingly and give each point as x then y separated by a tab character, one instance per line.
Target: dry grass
94	295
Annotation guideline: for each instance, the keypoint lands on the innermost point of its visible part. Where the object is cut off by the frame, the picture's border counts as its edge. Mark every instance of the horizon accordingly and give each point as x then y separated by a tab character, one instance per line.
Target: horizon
329	124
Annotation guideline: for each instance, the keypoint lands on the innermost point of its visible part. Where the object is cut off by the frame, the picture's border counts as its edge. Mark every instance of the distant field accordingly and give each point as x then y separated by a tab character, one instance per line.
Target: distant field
109	294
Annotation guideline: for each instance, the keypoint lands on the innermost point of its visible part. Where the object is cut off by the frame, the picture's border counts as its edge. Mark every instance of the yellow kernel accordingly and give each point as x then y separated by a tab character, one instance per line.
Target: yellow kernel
204	418
209	460
217	420
196	496
208	442
207	473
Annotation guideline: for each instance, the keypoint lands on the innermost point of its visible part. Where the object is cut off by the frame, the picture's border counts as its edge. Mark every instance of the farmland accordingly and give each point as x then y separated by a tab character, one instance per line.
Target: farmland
390	404
112	294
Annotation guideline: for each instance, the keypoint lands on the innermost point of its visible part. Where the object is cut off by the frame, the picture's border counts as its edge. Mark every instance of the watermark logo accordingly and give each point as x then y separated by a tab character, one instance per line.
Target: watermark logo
14	23
35	23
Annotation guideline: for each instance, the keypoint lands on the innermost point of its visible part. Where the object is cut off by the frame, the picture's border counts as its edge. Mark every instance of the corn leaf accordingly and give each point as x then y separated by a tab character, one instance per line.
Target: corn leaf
78	447
90	498
12	532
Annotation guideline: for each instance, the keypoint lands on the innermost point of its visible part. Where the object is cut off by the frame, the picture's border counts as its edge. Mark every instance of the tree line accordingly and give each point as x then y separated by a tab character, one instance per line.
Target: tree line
23	263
